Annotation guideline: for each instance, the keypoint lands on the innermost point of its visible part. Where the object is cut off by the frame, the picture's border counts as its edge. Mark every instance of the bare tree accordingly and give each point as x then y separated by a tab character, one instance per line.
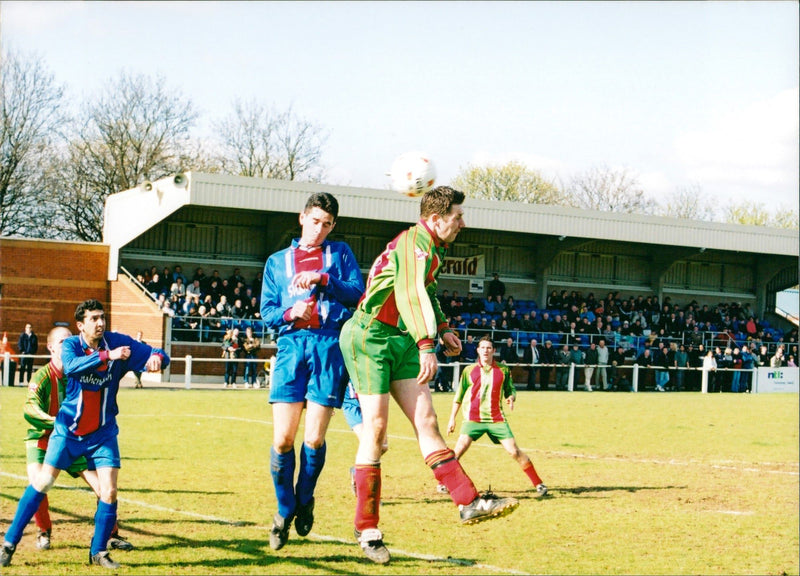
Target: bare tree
751	213
257	141
31	104
688	202
786	217
512	182
136	129
608	191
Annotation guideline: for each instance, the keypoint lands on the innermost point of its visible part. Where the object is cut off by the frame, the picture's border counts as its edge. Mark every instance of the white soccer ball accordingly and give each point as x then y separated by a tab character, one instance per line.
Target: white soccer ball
413	174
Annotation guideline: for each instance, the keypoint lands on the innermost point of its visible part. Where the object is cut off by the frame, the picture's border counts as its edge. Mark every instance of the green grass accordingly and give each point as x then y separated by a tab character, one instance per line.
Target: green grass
640	483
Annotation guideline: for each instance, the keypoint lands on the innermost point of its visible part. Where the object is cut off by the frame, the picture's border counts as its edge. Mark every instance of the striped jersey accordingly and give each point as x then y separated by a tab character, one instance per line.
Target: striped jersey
401	287
90	402
46	391
482	390
341	287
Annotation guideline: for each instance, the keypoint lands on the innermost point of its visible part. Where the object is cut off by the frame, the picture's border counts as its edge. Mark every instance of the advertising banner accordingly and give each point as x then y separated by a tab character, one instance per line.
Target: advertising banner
784	379
468	268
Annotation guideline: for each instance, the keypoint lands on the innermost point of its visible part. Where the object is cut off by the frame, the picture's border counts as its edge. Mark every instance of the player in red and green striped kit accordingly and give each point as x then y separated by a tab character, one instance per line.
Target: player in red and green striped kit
481	390
388	347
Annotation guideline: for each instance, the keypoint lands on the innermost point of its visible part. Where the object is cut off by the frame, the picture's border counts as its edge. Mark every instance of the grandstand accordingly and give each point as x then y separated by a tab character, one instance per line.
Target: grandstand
221	222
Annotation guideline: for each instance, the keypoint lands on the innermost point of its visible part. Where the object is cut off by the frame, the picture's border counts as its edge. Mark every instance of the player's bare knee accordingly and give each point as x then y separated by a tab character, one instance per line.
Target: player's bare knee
43	482
314	443
108	494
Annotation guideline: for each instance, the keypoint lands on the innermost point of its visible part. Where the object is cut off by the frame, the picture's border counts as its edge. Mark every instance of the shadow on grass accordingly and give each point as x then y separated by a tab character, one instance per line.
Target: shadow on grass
579	490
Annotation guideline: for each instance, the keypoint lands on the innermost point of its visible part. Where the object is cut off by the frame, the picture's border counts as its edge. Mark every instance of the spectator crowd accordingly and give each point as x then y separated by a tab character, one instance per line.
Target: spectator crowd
204	306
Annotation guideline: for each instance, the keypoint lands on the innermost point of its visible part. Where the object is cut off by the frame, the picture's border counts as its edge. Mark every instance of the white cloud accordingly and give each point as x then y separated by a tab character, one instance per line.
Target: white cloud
752	149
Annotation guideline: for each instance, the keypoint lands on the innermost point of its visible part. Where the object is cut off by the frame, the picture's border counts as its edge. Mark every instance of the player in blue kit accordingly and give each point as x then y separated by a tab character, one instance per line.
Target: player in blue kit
307	293
86	424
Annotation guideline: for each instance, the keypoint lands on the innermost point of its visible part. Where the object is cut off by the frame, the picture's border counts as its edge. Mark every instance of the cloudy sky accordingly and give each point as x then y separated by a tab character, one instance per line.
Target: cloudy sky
678	93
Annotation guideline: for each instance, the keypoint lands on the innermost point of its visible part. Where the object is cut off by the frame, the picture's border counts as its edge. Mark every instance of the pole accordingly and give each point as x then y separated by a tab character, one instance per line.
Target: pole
187	380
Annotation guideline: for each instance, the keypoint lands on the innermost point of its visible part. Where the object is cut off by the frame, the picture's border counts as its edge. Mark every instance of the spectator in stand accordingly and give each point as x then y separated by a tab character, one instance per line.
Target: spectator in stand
724	361
576	357
154	286
645	360
27	344
472	305
231	351
563	360
224	309
215	332
469	351
177	272
236	278
215	289
177	288
548	359
508	352
790	361
237	311
532	357
617	376
710	368
749	359
201	277
546	324
603	363
681	363
777	360
194	289
590	360
514	321
474	327
496	287
553	301
494	305
253	309
251	346
456	306
191	324
736	379
661	363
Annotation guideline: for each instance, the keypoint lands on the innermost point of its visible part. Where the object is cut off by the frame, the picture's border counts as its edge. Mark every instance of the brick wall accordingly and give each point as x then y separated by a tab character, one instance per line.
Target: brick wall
133	311
42	281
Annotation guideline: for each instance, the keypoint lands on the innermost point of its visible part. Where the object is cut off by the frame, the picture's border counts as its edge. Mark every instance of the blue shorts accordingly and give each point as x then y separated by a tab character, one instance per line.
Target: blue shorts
100	448
308	365
351	408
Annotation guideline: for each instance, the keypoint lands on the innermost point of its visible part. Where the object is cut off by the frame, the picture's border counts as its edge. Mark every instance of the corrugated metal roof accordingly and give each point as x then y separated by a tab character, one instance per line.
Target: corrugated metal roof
245	193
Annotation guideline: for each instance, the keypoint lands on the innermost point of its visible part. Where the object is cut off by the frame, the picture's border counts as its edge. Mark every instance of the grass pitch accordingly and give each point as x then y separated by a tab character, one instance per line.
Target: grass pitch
678	483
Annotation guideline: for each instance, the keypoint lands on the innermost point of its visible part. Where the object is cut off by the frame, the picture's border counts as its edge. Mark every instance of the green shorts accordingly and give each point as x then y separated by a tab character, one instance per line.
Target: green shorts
496	431
377	354
36	456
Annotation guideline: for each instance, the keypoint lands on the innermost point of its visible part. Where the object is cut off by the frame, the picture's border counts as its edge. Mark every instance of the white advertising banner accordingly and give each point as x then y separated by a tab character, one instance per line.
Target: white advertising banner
784	379
469	267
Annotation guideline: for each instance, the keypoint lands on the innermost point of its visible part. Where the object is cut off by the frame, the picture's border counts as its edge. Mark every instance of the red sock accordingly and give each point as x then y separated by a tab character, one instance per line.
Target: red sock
531	472
448	471
368	496
115	530
42	516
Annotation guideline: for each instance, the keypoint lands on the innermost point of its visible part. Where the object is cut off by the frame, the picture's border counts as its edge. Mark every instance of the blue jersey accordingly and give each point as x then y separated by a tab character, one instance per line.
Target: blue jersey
90	403
341	287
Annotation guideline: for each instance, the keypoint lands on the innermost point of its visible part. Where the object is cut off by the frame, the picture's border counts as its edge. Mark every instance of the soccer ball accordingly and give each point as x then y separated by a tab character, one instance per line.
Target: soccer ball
413	174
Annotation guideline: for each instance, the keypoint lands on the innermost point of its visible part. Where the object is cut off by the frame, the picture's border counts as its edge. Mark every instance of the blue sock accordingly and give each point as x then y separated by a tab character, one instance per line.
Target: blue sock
27	507
104	520
311	463
282	468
